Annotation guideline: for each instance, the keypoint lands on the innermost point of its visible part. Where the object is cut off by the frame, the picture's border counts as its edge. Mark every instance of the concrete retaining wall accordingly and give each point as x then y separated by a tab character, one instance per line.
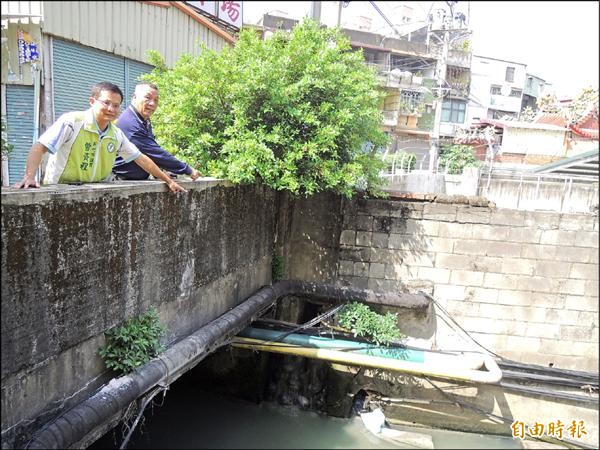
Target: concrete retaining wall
524	284
77	261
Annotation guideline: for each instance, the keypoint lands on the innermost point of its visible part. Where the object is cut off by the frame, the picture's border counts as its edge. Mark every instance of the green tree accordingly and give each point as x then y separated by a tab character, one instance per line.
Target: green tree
297	112
456	157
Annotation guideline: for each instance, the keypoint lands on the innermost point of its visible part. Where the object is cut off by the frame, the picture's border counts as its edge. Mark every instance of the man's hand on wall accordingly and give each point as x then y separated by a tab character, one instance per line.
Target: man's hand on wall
27	182
195	174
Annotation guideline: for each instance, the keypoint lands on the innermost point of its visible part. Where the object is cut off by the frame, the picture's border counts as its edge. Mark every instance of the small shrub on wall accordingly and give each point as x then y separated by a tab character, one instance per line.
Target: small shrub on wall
134	343
363	322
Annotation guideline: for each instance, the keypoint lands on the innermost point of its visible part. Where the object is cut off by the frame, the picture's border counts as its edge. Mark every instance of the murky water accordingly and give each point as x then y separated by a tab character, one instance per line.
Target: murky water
192	417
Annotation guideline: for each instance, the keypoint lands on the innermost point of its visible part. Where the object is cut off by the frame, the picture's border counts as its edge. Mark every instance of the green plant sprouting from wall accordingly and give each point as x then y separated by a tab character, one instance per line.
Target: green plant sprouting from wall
277	268
454	158
364	322
134	343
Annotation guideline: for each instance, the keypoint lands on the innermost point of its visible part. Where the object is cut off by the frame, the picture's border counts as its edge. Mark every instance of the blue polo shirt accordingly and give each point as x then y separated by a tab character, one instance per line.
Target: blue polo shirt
139	131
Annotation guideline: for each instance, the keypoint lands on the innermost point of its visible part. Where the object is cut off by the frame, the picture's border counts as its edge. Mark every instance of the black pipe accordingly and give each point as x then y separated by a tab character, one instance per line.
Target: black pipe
554	395
75	424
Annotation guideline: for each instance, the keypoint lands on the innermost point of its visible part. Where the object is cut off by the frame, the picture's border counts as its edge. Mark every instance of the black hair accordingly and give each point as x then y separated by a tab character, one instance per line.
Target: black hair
106	86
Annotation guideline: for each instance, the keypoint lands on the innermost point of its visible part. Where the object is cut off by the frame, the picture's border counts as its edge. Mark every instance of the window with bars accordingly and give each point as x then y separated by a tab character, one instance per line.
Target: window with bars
495	89
510	74
411	101
453	110
516	93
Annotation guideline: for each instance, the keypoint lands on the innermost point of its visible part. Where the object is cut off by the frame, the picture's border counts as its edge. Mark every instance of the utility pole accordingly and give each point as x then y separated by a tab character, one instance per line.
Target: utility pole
439	101
315	11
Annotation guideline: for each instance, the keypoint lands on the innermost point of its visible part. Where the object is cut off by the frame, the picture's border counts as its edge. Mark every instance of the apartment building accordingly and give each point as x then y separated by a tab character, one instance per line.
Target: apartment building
496	88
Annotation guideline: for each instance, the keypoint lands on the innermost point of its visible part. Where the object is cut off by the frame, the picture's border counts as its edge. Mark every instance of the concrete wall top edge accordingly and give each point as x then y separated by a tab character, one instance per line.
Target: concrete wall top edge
88	191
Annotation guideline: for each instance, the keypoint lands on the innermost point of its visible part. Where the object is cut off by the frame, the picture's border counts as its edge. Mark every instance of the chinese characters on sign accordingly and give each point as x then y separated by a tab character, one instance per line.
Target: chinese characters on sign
553	429
230	12
209	7
28	50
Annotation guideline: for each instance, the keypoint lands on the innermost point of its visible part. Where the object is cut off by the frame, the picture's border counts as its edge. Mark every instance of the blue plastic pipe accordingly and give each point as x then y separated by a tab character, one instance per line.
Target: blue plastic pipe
404	354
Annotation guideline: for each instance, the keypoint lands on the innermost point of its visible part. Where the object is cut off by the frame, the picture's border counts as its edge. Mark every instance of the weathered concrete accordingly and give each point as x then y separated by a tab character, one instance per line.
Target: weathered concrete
308	232
453	405
523	283
77	261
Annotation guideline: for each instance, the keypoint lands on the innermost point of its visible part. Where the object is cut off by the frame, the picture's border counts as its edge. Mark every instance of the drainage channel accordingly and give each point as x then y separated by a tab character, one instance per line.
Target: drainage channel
193	415
79	426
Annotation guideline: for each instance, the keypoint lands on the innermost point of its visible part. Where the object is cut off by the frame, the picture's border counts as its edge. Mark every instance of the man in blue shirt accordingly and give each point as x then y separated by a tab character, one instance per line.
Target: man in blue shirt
135	123
83	145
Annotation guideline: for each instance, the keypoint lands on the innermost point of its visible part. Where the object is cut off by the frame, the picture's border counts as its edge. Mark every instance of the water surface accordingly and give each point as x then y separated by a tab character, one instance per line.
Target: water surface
193	417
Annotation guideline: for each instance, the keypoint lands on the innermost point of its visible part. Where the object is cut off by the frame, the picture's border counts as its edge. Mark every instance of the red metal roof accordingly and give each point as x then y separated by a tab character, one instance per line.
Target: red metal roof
551	119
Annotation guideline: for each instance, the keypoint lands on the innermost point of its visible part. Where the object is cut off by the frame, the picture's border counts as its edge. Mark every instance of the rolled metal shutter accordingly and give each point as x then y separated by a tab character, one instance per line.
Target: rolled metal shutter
19	120
133	69
76	69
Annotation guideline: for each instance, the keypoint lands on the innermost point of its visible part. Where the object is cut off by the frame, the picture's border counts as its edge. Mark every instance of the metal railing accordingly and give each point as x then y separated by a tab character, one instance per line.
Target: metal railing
531	191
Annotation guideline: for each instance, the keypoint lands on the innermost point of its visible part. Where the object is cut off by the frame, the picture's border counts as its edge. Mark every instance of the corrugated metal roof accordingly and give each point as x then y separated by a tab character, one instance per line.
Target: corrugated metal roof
584	164
132	28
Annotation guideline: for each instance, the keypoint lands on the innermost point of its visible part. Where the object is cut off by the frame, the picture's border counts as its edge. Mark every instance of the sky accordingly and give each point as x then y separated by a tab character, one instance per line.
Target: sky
557	40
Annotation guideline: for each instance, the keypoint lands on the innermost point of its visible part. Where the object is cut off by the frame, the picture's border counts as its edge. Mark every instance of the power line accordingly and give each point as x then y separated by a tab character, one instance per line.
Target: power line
389	22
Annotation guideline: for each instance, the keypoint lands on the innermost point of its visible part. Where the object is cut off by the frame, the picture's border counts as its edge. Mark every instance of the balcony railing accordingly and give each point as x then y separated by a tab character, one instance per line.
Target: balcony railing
459	58
396	78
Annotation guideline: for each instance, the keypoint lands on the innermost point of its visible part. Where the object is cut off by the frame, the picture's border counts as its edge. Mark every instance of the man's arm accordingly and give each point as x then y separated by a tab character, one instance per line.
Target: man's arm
148	165
147	144
34	159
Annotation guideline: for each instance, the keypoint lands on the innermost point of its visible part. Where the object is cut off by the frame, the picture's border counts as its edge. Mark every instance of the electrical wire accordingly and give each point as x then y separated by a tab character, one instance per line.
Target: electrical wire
568	377
549	375
458	325
389	22
503	385
310	323
481	411
145	402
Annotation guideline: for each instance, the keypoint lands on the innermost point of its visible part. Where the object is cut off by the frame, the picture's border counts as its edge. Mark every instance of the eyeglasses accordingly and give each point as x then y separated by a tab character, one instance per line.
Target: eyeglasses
108	105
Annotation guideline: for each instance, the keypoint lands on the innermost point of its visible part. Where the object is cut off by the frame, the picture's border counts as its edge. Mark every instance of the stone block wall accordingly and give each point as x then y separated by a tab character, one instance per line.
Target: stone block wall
523	284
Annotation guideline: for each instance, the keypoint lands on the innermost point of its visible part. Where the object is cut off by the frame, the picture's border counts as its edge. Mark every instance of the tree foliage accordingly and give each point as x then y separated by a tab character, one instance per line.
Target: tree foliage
454	158
298	112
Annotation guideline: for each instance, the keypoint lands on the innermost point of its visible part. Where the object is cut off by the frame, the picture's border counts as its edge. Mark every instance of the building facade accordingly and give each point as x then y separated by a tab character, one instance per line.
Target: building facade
533	89
496	88
54	52
408	67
